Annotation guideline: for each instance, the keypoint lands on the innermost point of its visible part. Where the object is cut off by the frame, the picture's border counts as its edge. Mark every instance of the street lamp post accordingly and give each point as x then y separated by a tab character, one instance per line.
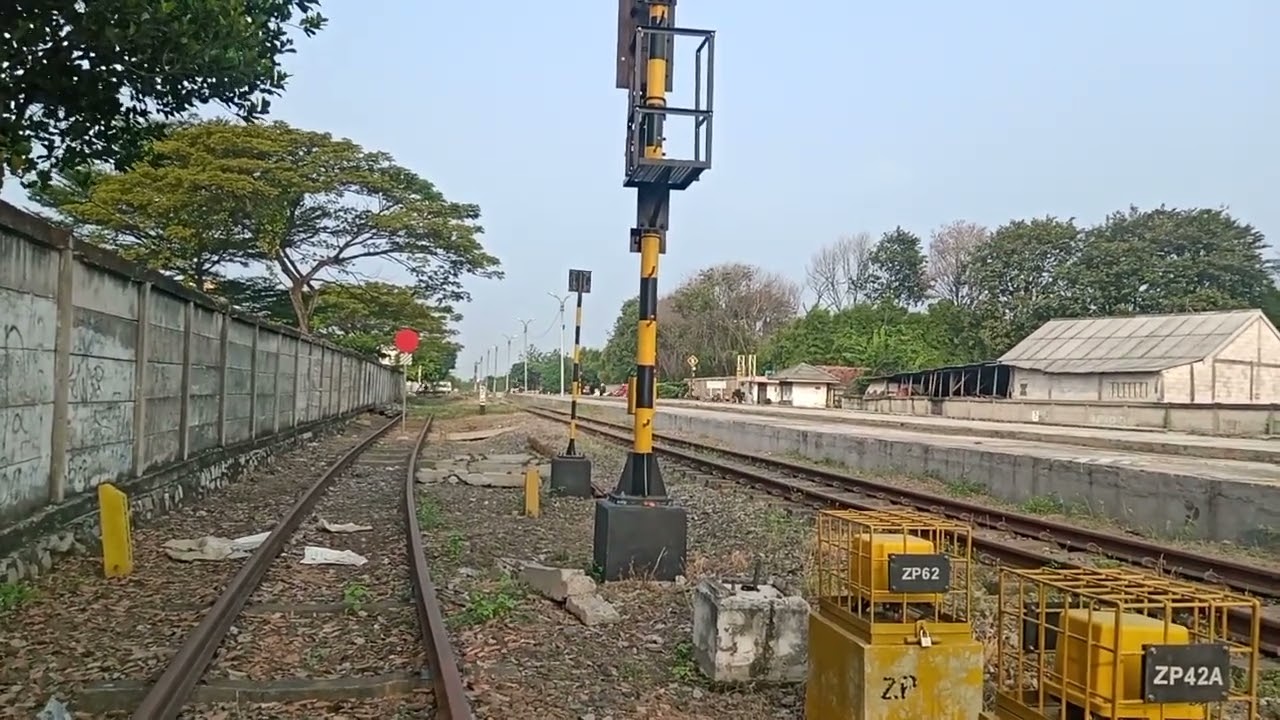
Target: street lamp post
525	353
562	301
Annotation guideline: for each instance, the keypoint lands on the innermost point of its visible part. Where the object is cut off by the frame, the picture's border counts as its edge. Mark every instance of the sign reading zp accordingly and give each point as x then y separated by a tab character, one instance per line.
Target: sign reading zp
580	281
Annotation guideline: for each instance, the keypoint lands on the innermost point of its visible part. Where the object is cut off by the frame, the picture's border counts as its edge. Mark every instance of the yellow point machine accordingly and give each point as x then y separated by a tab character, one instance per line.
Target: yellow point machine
1110	644
889	636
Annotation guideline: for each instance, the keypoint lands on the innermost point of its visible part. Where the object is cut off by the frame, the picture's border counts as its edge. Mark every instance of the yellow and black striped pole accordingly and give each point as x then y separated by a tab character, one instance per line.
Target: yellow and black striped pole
638	529
576	386
571	472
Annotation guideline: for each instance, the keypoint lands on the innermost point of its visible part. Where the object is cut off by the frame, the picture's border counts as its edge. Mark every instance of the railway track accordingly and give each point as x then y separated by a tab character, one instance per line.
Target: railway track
993	526
378	472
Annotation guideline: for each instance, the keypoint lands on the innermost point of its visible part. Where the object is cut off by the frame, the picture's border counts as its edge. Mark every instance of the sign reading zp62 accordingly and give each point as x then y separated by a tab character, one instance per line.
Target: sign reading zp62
1186	673
912	573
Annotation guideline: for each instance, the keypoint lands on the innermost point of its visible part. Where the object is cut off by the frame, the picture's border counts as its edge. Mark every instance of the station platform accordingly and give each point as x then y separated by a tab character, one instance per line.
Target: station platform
1160	495
1140	440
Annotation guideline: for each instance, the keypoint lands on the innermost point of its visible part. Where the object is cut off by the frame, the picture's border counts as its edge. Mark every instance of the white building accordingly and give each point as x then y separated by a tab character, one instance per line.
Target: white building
1210	357
806	386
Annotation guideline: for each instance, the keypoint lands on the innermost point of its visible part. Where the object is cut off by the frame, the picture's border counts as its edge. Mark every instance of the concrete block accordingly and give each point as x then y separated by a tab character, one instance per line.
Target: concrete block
493	480
592	609
749	633
558	584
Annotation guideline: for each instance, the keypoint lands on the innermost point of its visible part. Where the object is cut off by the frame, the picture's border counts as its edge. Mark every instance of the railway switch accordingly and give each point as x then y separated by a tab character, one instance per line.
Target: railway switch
1113	644
889	635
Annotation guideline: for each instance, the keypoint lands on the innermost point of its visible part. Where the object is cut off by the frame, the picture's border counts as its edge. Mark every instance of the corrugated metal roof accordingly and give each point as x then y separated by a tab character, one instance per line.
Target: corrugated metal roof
1140	343
805	373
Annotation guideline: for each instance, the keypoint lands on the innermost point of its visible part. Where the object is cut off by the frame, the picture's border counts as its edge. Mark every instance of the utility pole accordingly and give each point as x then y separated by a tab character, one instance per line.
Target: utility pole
524	354
493	381
638	531
509	339
562	301
488	367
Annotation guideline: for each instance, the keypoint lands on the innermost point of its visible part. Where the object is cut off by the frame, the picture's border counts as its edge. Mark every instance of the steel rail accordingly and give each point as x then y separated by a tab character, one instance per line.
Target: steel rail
166	698
1239	576
451	698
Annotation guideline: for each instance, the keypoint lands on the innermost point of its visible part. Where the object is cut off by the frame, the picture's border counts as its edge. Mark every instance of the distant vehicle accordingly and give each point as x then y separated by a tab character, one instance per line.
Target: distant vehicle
444	387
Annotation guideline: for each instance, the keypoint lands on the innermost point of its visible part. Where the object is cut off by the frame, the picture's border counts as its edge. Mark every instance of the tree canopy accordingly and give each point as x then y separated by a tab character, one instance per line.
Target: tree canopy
887	307
91	82
302	205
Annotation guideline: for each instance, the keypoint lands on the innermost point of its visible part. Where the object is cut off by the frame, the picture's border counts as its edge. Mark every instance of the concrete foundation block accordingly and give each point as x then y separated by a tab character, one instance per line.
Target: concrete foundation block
749	633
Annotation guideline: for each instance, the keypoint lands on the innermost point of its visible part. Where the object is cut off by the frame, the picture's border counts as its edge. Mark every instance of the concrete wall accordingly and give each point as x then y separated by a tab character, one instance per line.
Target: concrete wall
109	373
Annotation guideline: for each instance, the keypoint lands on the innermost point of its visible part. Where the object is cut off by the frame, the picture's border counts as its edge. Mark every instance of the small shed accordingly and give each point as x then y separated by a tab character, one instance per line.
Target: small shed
805	385
1207	357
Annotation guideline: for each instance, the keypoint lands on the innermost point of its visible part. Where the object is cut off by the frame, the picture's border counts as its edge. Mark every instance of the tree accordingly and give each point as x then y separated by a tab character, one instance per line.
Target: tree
366	316
309	207
1018	278
722	311
83	82
1168	260
898	269
619	356
839	274
951	251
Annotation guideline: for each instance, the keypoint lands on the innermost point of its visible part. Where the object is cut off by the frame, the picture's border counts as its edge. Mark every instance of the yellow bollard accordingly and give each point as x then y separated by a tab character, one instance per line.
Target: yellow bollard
532	492
117	533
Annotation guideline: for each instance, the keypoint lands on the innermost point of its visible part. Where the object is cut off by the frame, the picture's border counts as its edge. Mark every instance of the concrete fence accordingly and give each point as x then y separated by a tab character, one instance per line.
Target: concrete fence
109	372
1204	419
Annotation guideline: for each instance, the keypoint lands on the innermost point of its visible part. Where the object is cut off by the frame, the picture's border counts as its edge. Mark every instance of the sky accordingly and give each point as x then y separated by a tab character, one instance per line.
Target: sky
831	117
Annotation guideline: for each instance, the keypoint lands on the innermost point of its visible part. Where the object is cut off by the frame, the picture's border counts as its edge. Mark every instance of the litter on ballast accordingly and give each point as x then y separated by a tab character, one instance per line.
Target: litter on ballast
327	526
312	555
213	548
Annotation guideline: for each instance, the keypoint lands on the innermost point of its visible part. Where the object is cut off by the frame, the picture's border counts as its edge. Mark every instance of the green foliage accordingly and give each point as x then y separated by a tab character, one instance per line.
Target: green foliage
618	359
898	269
149	59
309	207
1017	277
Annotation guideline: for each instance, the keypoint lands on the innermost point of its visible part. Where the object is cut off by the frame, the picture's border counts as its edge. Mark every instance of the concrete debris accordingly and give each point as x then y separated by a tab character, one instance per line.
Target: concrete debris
557	584
213	548
327	526
496	471
55	709
592	609
312	555
564	585
474	435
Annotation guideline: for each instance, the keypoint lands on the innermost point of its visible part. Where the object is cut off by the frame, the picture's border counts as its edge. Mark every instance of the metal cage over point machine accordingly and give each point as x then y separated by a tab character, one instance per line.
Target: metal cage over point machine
1111	644
890	636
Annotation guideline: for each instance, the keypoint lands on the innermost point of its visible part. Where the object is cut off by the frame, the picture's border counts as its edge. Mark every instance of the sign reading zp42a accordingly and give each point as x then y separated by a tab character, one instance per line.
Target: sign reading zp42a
912	573
1186	673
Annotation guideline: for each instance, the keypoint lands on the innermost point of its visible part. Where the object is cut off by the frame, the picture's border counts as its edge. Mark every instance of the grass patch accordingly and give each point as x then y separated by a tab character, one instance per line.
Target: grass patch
683	668
15	594
454	546
354	596
487	605
1043	505
428	512
965	488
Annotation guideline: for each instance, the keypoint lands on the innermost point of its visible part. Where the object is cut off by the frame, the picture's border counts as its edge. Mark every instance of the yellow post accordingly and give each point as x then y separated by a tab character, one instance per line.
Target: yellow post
631	395
117	533
532	492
